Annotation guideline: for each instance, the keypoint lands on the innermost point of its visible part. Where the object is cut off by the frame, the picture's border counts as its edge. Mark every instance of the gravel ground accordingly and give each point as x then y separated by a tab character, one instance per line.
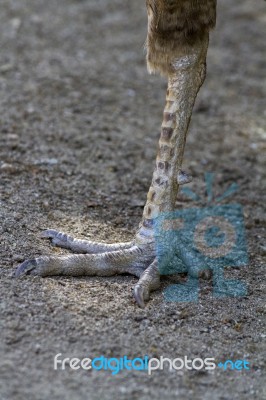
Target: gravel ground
80	119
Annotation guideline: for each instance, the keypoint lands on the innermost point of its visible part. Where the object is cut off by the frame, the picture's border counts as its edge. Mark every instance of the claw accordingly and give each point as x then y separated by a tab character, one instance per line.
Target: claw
139	295
59	239
183	177
49	233
26	267
55	236
205	274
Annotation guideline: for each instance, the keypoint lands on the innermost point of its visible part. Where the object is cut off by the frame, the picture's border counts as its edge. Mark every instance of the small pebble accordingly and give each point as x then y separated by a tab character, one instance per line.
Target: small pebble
7	167
47	161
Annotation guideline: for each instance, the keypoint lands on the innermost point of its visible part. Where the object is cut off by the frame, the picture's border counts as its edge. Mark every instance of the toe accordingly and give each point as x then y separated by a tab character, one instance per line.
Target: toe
139	295
26	268
59	239
49	233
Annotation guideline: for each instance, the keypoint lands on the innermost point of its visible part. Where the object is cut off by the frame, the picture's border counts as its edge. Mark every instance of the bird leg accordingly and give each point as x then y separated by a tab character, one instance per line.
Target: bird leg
139	256
177	43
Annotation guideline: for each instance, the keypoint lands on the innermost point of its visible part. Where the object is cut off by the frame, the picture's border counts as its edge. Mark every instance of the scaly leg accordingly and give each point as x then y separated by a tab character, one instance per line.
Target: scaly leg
185	65
139	257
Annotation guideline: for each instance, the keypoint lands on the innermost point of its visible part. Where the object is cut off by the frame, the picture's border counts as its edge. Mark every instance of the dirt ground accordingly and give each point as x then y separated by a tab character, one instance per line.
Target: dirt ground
80	119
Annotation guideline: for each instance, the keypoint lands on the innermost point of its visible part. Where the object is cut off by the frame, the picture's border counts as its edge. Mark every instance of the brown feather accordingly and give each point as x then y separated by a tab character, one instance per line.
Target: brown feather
173	27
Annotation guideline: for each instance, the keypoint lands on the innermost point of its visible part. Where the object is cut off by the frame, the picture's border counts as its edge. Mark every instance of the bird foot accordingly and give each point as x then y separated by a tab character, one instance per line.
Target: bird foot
98	259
